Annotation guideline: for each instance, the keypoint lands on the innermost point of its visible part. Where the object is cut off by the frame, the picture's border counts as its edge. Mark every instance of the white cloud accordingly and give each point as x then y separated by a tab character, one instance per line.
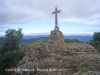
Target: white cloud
82	20
22	11
65	33
79	33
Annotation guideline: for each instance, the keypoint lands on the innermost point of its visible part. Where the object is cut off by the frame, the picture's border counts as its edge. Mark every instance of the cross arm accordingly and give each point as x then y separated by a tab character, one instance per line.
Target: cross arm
59	11
53	12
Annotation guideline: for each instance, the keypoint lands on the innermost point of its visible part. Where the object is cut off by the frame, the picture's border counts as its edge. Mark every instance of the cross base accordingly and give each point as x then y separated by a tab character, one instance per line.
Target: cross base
56	28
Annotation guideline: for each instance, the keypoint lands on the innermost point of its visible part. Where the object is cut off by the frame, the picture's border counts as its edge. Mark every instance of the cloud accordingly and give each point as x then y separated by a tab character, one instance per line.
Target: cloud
3	29
91	20
78	33
22	11
65	33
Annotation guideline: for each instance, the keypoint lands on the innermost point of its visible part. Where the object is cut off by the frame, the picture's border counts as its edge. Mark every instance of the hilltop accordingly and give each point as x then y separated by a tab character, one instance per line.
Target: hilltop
76	57
58	56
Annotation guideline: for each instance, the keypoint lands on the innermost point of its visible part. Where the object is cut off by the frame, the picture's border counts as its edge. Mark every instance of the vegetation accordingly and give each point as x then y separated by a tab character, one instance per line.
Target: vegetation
1	41
72	41
96	41
10	49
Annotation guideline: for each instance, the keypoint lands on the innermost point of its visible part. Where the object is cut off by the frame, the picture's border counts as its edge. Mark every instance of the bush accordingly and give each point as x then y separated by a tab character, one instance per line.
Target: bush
96	41
72	41
9	50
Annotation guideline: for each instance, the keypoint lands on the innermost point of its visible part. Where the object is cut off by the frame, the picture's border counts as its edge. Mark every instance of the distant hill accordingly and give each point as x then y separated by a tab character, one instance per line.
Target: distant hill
80	38
31	39
28	41
72	41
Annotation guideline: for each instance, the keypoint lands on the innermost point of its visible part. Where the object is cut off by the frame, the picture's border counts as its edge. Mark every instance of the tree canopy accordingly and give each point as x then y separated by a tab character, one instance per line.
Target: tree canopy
9	51
96	41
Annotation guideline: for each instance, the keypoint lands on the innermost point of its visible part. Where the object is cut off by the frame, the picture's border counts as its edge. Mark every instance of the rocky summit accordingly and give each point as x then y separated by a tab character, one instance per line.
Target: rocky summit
55	57
50	54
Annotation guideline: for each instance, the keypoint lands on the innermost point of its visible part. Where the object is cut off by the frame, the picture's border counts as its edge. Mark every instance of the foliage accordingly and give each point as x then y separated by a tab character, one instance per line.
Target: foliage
9	51
12	39
72	41
96	41
1	41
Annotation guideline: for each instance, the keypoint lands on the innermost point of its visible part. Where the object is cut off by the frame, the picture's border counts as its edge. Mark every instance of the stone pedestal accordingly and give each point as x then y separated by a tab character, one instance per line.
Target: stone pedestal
56	35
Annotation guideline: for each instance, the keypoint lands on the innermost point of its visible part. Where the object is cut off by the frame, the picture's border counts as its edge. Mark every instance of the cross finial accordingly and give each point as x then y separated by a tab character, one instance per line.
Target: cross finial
56	22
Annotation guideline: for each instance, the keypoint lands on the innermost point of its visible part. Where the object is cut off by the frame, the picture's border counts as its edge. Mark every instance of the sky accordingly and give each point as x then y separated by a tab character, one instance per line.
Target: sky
77	17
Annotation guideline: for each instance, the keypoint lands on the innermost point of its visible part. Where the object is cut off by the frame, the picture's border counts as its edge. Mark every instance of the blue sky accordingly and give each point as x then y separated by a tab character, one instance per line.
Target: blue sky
77	17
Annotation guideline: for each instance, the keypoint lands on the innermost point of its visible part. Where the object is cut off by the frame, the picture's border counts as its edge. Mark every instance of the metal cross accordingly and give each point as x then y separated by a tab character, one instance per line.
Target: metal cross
56	12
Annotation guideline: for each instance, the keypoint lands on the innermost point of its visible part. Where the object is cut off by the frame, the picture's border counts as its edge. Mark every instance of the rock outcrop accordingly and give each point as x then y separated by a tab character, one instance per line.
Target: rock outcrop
91	73
43	52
